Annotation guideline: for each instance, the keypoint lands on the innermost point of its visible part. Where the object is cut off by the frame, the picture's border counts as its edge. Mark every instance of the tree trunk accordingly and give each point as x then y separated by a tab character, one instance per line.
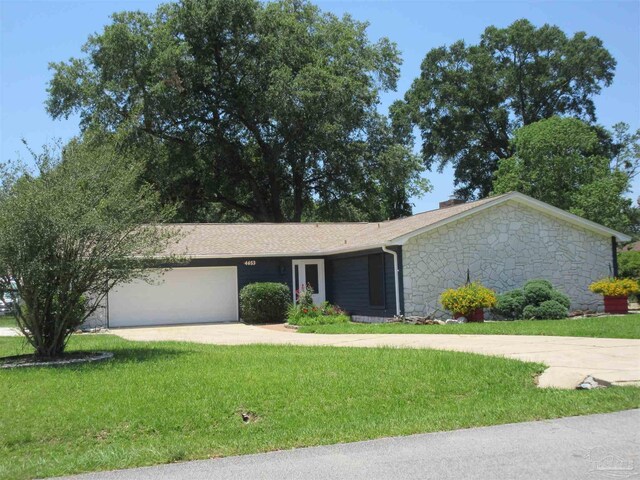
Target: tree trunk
298	198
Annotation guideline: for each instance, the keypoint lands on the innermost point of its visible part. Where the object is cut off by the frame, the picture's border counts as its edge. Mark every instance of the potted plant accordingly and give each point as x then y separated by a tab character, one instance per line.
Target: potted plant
468	301
616	292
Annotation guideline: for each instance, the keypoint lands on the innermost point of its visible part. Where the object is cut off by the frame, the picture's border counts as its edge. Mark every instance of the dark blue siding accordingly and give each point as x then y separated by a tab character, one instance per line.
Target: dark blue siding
348	284
267	269
346	278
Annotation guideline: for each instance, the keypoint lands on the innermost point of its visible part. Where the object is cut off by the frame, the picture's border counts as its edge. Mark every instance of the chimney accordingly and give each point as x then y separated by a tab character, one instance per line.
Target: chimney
451	202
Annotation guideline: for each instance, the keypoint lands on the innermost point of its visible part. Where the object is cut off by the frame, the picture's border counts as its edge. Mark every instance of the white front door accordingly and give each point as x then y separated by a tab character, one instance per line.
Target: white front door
309	272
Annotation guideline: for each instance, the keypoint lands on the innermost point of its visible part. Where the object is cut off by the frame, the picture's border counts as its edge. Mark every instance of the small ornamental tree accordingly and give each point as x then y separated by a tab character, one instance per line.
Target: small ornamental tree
69	232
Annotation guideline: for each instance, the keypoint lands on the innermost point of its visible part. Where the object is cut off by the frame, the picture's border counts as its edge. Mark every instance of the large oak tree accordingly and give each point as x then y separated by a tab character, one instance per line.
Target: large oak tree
247	110
469	99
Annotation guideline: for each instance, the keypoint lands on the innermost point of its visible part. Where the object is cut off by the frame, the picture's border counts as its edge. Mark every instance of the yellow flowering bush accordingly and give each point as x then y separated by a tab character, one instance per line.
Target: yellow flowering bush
615	287
468	298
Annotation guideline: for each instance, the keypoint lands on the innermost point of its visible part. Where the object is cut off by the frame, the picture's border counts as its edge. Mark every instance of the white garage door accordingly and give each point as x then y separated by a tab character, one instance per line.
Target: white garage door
181	295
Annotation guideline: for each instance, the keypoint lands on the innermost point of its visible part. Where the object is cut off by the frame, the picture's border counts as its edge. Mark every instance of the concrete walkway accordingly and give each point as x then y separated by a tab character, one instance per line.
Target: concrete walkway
9	332
575	448
570	359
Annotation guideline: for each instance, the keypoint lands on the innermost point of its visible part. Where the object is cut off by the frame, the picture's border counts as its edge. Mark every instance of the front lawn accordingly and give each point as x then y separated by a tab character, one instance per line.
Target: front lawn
627	326
166	402
7	321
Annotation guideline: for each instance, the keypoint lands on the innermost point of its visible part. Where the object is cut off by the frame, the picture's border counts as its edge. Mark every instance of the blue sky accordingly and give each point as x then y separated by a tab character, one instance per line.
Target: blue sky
33	33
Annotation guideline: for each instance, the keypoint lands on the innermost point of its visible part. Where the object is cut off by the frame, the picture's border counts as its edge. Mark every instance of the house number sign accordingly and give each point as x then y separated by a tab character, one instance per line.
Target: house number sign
250	263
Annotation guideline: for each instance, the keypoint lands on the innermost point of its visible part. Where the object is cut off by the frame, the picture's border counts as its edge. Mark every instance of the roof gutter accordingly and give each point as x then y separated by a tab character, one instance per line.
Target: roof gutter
396	276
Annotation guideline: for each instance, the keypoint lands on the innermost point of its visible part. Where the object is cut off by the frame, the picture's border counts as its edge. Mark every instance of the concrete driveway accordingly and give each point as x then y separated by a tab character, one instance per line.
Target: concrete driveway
570	359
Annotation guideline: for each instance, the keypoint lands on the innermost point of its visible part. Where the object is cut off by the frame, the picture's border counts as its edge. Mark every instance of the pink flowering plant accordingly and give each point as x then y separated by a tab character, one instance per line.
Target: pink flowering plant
305	313
304	296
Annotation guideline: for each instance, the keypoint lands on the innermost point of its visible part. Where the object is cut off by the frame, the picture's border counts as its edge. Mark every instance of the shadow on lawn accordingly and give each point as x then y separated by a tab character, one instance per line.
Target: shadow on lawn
145	354
126	355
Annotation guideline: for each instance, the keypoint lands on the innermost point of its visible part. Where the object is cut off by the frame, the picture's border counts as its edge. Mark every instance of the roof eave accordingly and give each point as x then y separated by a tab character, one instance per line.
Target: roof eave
323	253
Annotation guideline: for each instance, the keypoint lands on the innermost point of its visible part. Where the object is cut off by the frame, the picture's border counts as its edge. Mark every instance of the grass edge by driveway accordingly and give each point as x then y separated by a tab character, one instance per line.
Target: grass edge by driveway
624	326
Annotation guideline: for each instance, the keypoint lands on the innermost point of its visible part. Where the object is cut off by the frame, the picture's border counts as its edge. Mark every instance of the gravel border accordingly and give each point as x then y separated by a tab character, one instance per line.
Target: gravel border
20	361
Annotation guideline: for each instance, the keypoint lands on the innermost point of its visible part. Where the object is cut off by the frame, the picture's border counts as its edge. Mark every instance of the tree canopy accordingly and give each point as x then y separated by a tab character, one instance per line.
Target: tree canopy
573	166
247	110
469	99
71	231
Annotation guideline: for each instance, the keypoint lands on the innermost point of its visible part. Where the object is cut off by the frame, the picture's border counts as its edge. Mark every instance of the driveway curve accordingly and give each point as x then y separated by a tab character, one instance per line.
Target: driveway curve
569	359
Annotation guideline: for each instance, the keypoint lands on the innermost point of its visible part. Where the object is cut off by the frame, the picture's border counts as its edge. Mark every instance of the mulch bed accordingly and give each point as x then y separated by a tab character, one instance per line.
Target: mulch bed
19	361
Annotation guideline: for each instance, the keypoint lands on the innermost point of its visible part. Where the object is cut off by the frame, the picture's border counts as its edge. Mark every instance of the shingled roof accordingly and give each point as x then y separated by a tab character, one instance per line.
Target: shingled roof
225	240
222	240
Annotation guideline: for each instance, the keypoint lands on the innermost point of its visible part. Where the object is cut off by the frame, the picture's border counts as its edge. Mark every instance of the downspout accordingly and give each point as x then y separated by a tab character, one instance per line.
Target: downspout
614	256
396	276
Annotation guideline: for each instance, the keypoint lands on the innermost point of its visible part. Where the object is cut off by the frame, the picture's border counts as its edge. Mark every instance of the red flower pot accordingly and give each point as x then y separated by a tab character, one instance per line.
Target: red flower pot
616	304
477	316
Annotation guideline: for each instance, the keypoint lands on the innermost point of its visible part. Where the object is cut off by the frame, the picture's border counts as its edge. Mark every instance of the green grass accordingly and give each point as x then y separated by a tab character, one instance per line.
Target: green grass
627	326
307	320
164	402
7	321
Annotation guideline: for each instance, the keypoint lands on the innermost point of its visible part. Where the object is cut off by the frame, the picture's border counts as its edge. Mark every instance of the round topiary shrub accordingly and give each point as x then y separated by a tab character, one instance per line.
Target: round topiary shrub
509	305
547	310
264	302
539	281
536	292
561	298
537	299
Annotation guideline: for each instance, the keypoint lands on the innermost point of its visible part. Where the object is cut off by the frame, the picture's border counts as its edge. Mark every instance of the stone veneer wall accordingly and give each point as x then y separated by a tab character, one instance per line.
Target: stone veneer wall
503	247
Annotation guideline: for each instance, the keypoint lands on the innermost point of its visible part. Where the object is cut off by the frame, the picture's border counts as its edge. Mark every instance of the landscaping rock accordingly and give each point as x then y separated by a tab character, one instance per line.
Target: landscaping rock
584	313
92	330
417	320
590	383
456	320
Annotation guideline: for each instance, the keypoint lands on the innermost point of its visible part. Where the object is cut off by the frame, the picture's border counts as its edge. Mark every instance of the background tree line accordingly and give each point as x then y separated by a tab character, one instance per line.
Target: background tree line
268	112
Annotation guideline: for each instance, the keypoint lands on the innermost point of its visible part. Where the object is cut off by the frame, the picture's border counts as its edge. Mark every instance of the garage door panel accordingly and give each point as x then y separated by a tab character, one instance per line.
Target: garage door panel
181	295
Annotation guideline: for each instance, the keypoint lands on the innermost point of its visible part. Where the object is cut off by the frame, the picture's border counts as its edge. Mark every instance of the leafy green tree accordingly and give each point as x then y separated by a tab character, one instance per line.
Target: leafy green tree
70	232
245	110
604	201
629	264
624	147
469	99
567	163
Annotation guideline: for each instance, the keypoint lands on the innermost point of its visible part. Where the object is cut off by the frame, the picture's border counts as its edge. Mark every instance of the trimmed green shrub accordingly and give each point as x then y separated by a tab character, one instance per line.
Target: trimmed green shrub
561	298
539	281
536	293
264	302
547	310
510	304
537	299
